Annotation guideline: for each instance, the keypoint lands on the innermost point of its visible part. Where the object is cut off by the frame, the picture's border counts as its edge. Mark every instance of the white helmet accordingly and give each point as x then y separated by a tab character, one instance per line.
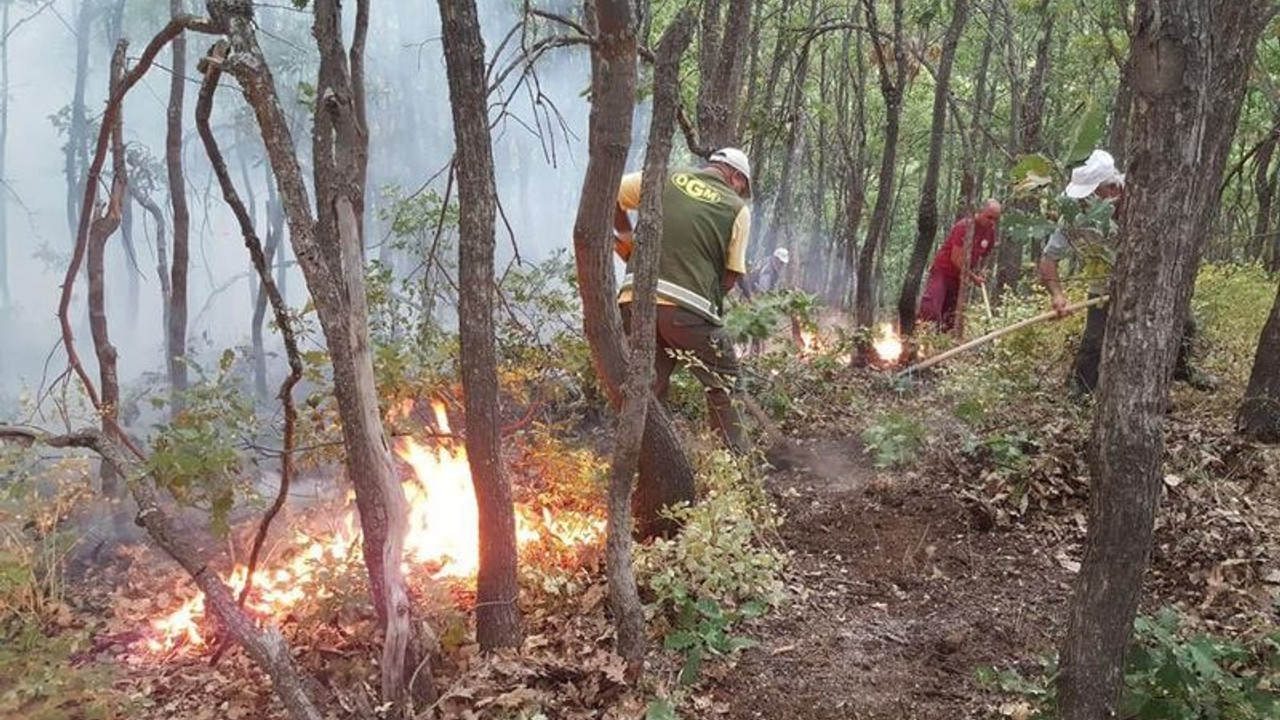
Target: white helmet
783	256
736	159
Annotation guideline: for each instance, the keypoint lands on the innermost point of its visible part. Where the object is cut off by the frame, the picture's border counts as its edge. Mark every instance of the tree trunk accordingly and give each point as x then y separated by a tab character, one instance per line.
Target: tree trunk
1259	414
101	230
330	253
497	587
624	597
1029	128
666	476
891	89
75	152
721	59
176	345
1191	60
1264	187
782	230
927	215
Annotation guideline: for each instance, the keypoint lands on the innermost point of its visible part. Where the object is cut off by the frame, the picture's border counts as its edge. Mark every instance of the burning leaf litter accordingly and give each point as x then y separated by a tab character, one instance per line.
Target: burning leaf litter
442	542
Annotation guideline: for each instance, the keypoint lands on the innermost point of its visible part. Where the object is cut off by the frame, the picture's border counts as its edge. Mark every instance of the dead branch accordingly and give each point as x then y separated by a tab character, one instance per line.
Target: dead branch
211	66
268	647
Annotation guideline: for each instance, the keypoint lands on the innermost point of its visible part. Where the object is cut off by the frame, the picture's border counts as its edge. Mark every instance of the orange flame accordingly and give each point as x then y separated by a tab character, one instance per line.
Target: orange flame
808	342
888	346
442	541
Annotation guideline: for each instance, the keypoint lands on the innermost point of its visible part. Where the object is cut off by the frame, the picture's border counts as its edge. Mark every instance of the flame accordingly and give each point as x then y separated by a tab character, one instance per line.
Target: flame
442	541
808	342
888	346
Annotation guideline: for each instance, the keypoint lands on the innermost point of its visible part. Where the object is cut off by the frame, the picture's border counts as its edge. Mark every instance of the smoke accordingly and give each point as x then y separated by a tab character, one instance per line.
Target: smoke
540	128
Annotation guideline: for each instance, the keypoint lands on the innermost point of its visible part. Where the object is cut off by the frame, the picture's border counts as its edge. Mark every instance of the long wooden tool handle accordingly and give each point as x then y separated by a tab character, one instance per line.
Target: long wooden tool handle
976	342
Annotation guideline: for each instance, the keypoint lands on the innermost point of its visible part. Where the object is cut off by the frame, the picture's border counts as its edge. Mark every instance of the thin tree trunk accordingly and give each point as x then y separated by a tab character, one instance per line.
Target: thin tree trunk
666	476
74	152
101	230
624	597
330	253
162	253
1259	414
1029	128
1191	62
1264	187
927	215
784	207
176	346
721	58
497	587
891	89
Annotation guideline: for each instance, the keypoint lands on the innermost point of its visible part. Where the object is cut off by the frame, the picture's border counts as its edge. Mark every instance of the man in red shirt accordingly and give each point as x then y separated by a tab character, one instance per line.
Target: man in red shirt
942	291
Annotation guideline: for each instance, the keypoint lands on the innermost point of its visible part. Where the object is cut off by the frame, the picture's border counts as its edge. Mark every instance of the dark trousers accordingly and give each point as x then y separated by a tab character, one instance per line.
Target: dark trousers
1084	373
705	349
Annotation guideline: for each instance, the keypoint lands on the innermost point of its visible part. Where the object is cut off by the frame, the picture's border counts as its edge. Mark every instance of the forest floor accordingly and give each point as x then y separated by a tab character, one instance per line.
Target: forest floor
907	584
897	598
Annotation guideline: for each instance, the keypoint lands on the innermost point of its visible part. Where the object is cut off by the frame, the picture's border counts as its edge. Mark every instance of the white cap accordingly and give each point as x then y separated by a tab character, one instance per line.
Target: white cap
736	159
1099	169
783	256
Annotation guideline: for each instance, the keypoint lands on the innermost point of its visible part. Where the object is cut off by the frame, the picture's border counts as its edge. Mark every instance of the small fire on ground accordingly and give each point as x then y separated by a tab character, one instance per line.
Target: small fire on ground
887	344
442	541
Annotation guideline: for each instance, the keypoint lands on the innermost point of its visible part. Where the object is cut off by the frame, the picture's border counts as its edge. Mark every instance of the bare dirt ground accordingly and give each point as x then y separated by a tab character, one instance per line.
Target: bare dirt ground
898	599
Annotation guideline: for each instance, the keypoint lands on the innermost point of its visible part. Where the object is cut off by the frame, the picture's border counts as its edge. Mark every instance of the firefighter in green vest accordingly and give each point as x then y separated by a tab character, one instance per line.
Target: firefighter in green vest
706	223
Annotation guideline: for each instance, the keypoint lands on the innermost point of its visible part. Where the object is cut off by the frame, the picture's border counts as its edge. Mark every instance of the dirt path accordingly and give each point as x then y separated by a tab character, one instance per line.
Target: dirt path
897	600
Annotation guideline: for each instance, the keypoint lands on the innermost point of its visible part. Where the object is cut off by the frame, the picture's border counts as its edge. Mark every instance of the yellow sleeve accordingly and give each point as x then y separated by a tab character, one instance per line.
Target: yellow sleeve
629	192
737	260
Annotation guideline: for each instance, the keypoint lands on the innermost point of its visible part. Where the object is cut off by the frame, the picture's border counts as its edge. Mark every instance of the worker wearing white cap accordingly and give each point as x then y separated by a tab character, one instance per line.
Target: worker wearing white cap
1087	231
766	276
706	224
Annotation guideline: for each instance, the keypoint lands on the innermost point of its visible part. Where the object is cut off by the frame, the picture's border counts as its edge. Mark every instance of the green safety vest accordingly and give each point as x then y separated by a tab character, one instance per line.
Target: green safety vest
698	212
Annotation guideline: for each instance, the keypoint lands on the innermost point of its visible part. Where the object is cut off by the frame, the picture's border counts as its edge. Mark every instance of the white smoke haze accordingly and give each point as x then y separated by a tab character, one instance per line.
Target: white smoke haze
539	150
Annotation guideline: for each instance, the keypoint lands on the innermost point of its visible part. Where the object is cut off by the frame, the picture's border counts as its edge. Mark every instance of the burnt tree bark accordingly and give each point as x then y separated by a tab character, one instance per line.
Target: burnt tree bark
892	86
1258	416
497	587
927	215
624	597
666	476
329	249
176	344
721	58
1191	60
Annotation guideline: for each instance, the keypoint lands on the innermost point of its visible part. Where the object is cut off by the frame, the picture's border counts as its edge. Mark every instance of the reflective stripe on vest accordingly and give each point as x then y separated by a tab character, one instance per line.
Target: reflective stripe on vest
680	295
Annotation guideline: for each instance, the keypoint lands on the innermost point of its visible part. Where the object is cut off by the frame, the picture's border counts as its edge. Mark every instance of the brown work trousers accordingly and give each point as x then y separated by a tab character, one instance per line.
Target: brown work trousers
704	348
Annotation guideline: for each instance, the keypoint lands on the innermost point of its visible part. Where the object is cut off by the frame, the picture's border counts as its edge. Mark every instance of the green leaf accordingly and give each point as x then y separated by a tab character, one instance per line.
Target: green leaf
692	669
660	709
1032	164
1087	132
681	640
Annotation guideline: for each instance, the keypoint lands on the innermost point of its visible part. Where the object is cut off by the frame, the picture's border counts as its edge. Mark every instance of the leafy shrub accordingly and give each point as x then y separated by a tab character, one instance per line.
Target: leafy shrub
196	455
1169	676
719	553
1198	678
894	439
